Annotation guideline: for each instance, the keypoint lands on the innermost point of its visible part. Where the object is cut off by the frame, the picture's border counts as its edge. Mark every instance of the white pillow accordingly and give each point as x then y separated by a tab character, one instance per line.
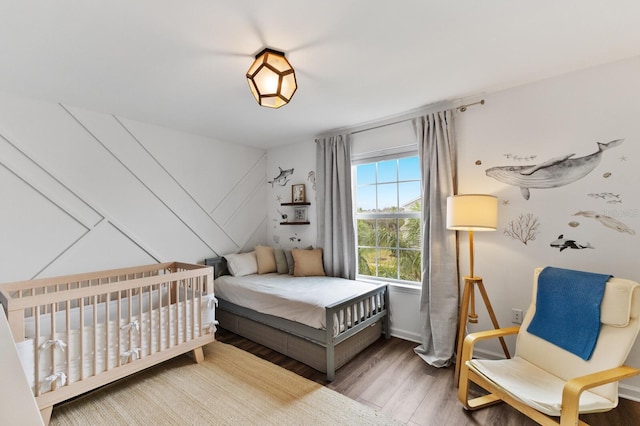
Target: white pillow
241	264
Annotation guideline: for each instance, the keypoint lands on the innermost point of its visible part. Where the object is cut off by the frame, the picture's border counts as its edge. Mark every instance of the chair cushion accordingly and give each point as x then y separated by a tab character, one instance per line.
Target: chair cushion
535	387
616	309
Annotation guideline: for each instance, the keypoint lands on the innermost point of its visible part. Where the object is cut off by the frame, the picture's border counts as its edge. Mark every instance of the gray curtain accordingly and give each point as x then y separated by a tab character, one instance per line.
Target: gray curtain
336	233
440	293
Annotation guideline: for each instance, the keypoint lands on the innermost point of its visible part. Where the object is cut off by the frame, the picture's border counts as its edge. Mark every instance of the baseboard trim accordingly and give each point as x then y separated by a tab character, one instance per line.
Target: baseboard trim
624	390
406	335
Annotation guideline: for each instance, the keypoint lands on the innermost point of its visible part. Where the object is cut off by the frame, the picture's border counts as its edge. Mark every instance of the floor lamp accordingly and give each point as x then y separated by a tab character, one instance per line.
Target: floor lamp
472	212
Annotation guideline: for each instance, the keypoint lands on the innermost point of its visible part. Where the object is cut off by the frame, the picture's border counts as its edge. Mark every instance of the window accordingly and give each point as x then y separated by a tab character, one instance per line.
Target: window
388	203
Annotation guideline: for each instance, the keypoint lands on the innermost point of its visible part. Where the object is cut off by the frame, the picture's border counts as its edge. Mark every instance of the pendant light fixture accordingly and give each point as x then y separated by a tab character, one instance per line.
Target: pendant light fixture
272	79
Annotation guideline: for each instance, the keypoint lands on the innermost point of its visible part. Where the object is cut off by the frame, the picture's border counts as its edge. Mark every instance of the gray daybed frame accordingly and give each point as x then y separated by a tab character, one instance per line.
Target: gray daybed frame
319	349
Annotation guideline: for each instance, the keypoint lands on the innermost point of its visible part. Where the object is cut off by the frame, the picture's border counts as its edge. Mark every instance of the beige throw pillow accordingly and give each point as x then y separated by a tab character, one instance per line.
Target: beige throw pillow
266	259
307	263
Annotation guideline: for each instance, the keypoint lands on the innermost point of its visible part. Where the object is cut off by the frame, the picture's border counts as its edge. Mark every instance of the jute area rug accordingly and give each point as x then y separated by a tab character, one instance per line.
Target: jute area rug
230	387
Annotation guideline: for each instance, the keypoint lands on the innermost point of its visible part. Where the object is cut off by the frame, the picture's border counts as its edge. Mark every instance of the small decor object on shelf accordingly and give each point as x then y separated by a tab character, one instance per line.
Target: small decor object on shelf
298	193
300	214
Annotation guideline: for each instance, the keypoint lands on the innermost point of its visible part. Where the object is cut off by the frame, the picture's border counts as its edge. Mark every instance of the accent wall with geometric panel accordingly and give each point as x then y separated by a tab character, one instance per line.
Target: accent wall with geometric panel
83	191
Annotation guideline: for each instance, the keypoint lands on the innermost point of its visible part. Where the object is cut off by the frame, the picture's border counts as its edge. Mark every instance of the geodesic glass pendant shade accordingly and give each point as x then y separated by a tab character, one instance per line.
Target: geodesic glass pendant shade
271	79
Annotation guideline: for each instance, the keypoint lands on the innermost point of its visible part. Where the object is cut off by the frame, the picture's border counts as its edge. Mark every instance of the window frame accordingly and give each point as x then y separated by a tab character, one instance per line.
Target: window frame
376	157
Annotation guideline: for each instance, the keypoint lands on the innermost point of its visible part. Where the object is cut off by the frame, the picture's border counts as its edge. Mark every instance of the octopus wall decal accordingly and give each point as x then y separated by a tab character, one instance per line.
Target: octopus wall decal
607	221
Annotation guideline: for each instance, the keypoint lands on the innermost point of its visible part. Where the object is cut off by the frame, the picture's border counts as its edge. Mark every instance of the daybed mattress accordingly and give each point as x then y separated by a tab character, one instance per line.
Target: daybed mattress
300	299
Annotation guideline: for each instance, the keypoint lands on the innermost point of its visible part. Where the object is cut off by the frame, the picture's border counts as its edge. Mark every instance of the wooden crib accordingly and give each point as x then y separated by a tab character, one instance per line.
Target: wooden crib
79	332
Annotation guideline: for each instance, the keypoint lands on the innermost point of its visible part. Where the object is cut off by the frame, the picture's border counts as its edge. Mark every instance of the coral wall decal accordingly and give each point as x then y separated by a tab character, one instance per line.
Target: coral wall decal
524	229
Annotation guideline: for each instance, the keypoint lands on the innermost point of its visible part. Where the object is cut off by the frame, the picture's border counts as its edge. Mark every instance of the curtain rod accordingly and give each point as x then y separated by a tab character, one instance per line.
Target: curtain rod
463	108
401	118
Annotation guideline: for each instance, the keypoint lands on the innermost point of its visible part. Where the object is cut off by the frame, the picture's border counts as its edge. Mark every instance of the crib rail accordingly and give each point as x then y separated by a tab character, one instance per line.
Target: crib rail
92	328
20	289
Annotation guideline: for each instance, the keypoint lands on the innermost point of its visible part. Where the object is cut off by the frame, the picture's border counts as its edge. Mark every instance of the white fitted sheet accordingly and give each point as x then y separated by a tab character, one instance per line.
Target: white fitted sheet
300	299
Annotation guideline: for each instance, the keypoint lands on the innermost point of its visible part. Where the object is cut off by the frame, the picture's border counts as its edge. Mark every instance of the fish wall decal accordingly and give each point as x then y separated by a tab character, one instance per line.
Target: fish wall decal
282	178
553	173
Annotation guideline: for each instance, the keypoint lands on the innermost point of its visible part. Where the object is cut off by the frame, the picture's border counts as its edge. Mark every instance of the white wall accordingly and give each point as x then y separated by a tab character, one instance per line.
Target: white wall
301	158
529	125
552	119
85	191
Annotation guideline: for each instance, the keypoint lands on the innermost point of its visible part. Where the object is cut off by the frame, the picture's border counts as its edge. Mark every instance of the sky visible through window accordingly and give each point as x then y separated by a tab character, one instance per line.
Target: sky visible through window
388	184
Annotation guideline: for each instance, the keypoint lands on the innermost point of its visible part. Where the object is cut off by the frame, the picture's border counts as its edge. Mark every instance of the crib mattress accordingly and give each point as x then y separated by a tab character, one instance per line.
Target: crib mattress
100	346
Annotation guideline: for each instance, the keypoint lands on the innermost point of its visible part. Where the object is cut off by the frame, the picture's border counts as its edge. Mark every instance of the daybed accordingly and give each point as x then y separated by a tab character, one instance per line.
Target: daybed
79	332
346	326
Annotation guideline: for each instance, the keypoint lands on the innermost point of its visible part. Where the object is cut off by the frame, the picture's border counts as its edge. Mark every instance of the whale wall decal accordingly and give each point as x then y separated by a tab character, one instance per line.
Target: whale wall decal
553	173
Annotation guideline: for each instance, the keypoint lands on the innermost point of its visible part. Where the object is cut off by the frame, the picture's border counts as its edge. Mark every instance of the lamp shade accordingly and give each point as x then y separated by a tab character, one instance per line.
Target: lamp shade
272	79
472	212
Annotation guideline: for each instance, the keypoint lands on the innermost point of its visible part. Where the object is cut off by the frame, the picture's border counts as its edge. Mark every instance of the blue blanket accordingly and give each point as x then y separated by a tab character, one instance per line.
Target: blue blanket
568	309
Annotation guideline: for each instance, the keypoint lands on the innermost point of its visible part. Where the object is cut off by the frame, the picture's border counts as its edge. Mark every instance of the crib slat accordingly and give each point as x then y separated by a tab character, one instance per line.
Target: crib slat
36	352
149	341
117	331
129	333
160	317
195	304
140	320
170	300
68	330
184	312
82	342
107	359
52	312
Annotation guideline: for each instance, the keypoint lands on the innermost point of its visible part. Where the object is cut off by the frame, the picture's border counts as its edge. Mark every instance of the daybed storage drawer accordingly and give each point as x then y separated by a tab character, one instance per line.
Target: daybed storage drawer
298	348
252	330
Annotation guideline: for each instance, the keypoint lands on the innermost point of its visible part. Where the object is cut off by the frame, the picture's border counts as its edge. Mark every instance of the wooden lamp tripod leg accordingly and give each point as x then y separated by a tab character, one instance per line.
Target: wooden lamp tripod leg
469	282
492	315
464	309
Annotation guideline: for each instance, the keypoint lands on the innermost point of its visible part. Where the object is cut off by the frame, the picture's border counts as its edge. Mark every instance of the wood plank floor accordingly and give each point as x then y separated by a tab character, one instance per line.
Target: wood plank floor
389	377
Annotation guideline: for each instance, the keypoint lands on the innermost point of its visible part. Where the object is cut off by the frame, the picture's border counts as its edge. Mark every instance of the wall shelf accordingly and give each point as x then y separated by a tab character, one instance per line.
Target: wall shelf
302	217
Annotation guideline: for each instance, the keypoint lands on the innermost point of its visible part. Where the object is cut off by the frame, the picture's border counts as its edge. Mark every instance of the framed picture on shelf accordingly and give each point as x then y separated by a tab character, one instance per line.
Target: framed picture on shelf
300	214
298	193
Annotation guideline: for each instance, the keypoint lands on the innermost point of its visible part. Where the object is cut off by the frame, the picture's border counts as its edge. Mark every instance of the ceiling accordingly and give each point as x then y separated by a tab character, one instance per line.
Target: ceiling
182	64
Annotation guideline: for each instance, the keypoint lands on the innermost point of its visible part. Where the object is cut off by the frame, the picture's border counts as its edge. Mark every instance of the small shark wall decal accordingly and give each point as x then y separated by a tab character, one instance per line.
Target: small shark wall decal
282	178
553	173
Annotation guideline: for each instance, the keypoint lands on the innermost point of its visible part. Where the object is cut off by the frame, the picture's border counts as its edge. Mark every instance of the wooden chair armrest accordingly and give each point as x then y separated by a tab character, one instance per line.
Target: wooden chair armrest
574	388
473	338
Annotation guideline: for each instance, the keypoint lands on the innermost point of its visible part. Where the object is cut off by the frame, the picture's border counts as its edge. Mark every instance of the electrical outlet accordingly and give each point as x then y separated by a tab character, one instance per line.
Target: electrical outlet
516	316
